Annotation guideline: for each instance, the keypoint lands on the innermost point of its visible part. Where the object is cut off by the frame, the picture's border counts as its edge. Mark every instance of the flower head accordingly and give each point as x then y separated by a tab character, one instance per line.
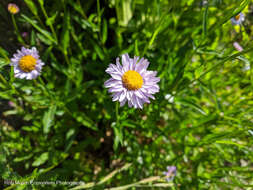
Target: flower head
26	63
237	46
24	34
11	104
246	67
238	19
131	82
13	8
170	174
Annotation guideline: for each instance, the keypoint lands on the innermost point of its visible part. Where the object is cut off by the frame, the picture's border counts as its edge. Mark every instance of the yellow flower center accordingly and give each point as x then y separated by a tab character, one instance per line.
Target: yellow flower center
13	9
132	80
237	17
27	63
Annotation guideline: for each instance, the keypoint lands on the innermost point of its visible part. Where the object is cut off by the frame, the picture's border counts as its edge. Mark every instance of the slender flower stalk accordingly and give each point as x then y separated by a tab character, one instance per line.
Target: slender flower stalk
50	24
20	39
14	9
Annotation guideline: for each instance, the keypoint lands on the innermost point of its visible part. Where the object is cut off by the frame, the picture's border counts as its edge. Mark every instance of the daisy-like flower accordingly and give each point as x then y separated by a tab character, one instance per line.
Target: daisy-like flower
238	19
13	8
131	82
27	63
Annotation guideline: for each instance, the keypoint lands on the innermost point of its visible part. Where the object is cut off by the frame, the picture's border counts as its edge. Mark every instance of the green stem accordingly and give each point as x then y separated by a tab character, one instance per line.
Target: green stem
50	25
12	75
81	9
11	86
154	35
51	97
3	79
20	39
99	15
44	87
117	113
221	62
66	57
48	93
40	21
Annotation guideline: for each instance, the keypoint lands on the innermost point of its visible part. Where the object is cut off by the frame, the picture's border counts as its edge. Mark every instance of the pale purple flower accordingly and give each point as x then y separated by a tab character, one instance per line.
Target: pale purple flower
238	19
237	46
24	34
131	82
26	63
246	67
171	173
11	104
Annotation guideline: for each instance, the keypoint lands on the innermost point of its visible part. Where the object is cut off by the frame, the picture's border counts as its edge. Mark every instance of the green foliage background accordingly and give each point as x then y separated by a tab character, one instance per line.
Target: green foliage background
64	126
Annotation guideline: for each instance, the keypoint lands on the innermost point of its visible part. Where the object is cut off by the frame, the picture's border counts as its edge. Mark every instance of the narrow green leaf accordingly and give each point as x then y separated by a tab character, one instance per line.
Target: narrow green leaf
51	20
41	159
192	105
48	118
37	27
224	60
136	49
70	136
44	39
85	120
104	31
5	95
32	6
124	11
33	38
229	143
118	136
205	19
112	174
211	138
4	53
65	32
98	50
20	159
41	2
3	62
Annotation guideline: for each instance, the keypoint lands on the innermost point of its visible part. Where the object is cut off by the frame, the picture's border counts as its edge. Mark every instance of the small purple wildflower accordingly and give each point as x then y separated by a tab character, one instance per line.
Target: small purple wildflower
237	46
24	34
171	173
238	19
11	104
